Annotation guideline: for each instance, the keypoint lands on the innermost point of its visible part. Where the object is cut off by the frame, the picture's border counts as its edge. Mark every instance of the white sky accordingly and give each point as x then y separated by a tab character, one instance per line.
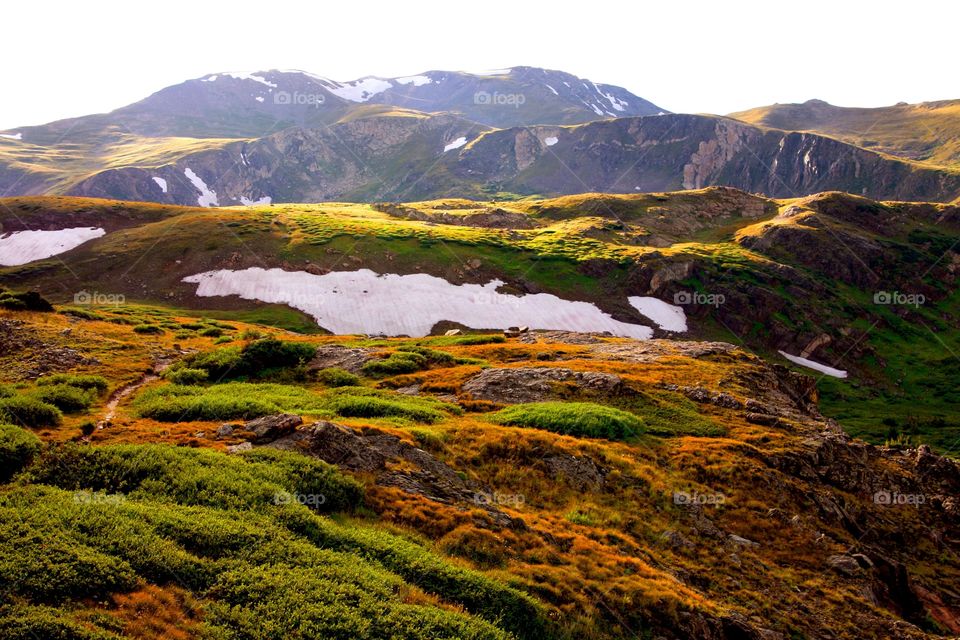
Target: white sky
67	58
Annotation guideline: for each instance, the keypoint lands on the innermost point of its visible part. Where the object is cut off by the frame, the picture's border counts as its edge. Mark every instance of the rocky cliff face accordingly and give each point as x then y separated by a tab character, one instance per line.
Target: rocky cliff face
416	157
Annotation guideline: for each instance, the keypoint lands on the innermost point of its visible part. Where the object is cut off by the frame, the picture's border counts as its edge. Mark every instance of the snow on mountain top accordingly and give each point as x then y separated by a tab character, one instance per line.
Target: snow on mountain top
361	90
456	144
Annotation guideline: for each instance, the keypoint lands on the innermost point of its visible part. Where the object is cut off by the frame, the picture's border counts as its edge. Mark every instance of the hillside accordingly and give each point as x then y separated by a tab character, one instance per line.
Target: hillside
928	132
860	286
448	487
403	155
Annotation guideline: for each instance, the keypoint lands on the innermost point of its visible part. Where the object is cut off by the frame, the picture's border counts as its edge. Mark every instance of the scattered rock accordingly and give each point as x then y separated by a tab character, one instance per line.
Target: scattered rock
225	430
741	542
453	332
238	448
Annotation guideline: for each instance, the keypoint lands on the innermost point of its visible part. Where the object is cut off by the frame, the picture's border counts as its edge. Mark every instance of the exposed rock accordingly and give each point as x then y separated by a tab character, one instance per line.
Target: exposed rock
225	430
841	563
373	451
239	448
334	355
270	428
535	384
581	472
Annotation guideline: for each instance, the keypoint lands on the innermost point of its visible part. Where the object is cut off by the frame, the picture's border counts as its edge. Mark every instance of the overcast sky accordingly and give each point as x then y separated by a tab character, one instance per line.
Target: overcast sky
64	59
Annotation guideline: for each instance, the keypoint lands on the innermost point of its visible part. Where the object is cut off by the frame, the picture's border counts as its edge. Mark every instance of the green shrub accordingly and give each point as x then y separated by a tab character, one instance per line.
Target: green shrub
23	301
29	412
17	448
219	363
64	397
573	418
98	383
6	391
211	332
270	353
230	401
361	402
24	622
147	329
185	375
396	363
336	377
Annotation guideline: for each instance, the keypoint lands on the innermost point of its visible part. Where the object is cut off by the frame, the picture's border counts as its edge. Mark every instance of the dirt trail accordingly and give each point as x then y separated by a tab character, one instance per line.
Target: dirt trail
114	400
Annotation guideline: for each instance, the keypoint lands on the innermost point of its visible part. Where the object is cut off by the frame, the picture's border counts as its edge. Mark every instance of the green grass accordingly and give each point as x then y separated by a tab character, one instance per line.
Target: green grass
337	377
230	401
64	397
87	522
87	382
574	419
360	402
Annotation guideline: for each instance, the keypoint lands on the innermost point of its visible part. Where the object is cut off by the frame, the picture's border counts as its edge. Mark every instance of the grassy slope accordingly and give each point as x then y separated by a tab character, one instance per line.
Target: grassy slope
594	559
928	131
567	236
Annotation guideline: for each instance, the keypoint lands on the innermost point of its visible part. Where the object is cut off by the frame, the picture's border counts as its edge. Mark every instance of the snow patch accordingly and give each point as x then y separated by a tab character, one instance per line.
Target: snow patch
361	90
417	81
22	247
239	75
551	89
12	136
161	183
250	203
367	303
667	316
816	366
209	78
259	98
207	197
550	141
456	144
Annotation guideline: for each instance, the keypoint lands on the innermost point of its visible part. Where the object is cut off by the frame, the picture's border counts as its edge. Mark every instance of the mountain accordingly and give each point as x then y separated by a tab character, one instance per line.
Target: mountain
209	112
190	453
401	155
928	132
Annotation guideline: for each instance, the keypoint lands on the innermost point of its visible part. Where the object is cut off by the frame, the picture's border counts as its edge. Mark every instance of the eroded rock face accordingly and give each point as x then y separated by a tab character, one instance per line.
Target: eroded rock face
539	383
375	452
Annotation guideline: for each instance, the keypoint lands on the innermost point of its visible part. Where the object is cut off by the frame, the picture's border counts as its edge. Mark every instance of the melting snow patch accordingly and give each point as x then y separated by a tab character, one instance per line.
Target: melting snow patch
259	98
551	89
12	136
417	81
365	302
248	202
456	144
816	366
207	197
667	316
161	183
250	76
22	247
361	90
552	140
209	78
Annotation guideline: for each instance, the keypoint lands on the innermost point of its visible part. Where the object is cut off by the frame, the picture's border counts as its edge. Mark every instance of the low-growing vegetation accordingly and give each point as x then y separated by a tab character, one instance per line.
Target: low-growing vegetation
573	418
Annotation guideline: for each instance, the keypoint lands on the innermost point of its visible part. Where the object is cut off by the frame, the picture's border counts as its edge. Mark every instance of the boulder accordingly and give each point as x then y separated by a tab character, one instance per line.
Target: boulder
270	428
